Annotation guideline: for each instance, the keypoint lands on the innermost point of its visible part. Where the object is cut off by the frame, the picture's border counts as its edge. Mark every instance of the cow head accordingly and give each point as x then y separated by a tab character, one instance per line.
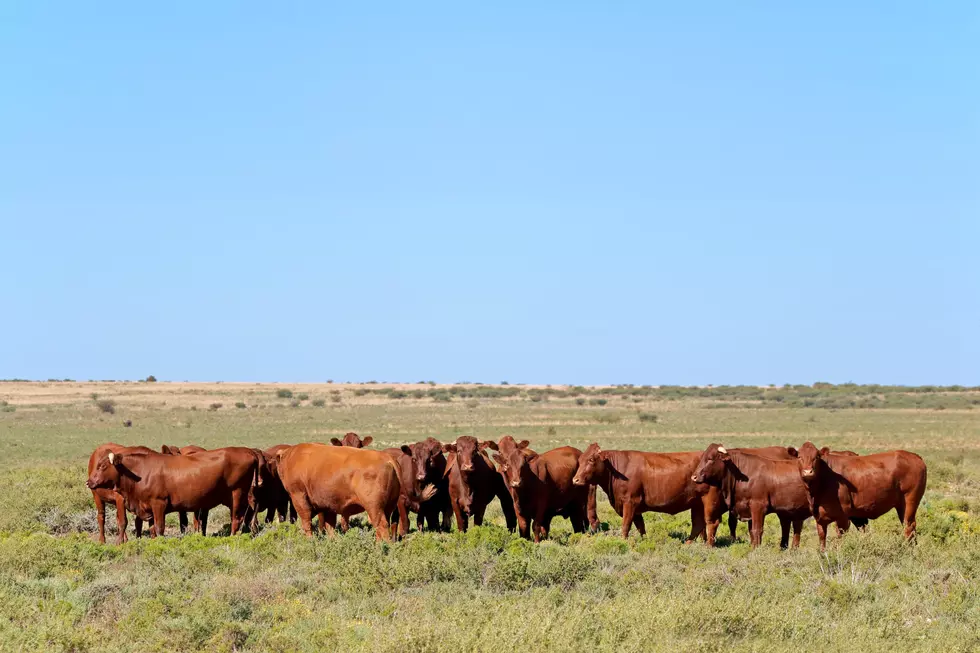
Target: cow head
591	464
711	466
106	472
352	440
427	459
512	458
811	461
465	453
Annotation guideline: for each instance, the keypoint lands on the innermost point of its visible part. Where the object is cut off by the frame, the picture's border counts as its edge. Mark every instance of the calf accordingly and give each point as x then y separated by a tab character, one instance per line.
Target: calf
474	482
753	486
156	484
340	481
839	487
641	481
199	517
102	496
421	465
541	486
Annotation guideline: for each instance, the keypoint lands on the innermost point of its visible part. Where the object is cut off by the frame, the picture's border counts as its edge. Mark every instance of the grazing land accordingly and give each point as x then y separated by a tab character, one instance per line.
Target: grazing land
485	590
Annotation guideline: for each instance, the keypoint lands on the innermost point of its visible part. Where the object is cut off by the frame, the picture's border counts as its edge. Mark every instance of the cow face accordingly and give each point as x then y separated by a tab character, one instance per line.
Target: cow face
427	459
106	473
811	461
590	465
513	458
711	466
352	440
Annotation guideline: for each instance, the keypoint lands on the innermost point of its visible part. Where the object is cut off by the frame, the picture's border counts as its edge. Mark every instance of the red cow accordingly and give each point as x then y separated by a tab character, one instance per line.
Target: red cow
541	486
156	484
273	497
753	486
340	481
421	465
840	487
102	496
641	481
352	439
474	482
200	519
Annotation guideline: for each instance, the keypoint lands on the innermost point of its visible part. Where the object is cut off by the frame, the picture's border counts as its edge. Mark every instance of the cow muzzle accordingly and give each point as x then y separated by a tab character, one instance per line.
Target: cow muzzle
696	478
577	481
89	484
420	477
468	467
516	483
808	473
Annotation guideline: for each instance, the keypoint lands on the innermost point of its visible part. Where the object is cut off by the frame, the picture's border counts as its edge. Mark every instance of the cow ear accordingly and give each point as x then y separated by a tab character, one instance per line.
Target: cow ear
165	449
825	451
528	457
793	452
449	463
498	458
449	447
523	444
603	455
489	444
335	442
366	441
406	449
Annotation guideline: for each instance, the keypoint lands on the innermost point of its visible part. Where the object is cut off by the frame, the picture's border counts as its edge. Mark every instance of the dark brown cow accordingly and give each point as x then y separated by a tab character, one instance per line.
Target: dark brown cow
753	486
156	484
541	486
775	452
200	519
840	487
421	472
641	481
102	496
474	482
340	481
352	439
273	497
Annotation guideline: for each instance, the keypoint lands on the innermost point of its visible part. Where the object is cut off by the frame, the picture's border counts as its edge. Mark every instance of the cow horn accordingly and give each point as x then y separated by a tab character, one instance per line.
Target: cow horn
722	450
111	458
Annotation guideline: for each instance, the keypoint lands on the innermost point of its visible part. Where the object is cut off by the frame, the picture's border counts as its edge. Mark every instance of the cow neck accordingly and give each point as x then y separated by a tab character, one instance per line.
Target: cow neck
604	479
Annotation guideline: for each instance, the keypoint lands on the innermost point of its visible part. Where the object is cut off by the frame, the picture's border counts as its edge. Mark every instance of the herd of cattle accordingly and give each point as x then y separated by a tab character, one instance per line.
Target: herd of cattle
433	479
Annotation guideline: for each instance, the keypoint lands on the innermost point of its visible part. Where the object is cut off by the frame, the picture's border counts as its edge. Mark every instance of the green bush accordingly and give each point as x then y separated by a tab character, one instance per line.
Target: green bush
580	401
240	404
283	393
106	406
647	417
215	406
303	396
319	403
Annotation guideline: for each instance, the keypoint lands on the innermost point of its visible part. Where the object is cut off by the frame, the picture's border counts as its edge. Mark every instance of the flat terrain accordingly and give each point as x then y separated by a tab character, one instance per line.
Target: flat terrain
484	590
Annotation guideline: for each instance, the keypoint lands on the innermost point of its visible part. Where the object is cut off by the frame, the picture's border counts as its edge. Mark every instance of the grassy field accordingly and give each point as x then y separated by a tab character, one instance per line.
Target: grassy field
484	590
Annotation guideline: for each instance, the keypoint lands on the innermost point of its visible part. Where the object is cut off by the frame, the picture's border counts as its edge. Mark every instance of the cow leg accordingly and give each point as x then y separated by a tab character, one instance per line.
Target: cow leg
460	520
100	516
697	523
797	529
842	526
639	523
204	522
197	521
758	512
479	510
711	522
784	531
121	520
822	535
733	523
138	526
628	511
305	512
537	522
911	505
327	520
507	507
344	524
182	520
402	516
380	522
159	509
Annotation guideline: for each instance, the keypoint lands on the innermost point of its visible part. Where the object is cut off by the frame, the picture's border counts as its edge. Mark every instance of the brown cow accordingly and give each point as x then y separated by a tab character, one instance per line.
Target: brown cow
753	486
421	465
352	439
102	496
641	481
839	487
156	484
474	482
340	481
541	486
200	519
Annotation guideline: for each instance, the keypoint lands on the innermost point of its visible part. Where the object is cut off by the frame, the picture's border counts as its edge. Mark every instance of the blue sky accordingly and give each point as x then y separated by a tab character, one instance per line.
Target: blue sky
563	193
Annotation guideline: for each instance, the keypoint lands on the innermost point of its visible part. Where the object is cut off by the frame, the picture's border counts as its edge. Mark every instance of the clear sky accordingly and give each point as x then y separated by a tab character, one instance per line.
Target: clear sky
548	192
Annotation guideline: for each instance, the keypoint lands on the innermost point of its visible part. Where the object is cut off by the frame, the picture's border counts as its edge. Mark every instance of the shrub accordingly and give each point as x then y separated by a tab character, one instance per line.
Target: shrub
552	431
329	380
303	396
151	379
472	403
536	398
319	403
580	401
215	406
283	393
397	394
335	398
106	406
240	404
598	402
8	409
418	394
504	383
360	392
647	417
294	403
94	396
